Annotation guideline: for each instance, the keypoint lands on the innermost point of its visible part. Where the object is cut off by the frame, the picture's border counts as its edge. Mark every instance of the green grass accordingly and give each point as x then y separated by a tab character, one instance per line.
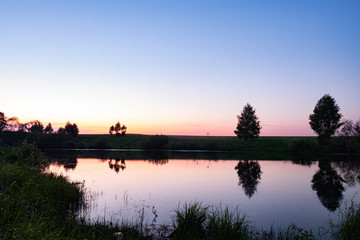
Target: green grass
191	221
35	205
226	224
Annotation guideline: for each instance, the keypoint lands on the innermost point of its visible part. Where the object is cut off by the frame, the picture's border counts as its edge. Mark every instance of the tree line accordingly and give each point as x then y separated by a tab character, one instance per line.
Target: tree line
325	121
12	124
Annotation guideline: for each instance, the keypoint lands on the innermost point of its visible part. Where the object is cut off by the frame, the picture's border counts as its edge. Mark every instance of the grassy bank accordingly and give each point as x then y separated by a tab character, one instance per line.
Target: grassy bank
35	205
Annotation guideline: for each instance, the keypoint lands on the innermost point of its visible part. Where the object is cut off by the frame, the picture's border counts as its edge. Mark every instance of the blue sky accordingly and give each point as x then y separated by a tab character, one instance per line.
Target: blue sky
178	67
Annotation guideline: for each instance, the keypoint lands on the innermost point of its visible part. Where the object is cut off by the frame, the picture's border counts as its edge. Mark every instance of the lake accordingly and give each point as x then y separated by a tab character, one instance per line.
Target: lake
132	186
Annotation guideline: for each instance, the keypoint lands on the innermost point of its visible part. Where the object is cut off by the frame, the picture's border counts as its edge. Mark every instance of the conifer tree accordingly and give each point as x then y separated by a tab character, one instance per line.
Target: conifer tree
248	126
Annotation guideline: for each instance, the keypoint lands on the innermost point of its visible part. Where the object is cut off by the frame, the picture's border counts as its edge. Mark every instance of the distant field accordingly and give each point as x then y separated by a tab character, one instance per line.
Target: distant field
216	143
347	145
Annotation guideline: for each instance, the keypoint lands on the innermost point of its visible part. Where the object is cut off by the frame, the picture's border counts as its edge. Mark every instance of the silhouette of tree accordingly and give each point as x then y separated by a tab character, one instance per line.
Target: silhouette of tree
2	121
117	128
8	124
23	127
357	128
61	131
328	186
71	129
123	130
48	129
36	126
326	118
248	126
249	173
112	129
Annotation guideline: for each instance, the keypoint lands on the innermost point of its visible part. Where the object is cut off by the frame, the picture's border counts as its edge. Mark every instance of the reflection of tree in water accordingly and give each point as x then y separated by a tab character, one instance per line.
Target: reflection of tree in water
157	157
249	173
158	161
117	164
68	163
71	163
328	186
303	159
349	171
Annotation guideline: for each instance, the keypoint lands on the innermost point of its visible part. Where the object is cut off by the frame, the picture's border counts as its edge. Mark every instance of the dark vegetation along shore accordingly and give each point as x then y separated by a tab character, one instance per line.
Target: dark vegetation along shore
344	145
38	205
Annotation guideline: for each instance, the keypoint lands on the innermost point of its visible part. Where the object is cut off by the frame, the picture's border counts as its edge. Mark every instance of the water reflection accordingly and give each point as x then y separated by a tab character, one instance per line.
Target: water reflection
329	181
349	171
303	159
157	157
117	164
249	173
328	185
69	162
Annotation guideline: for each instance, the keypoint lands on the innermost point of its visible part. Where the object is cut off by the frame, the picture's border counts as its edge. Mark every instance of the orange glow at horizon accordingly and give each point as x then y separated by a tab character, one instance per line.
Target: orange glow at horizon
182	128
199	131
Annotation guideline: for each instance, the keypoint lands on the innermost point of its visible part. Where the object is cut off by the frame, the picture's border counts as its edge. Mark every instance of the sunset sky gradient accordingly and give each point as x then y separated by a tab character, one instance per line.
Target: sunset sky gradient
178	67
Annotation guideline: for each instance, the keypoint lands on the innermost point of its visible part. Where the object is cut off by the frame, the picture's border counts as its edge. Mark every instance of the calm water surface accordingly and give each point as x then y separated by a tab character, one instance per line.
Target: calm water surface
270	192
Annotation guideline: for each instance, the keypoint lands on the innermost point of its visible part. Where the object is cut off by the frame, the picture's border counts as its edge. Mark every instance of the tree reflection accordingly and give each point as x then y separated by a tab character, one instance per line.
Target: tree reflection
117	164
157	157
158	161
349	171
303	159
71	163
328	185
249	173
68	163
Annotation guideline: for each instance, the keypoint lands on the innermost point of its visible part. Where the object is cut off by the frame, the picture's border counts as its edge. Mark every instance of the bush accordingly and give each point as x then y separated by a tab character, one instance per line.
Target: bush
26	154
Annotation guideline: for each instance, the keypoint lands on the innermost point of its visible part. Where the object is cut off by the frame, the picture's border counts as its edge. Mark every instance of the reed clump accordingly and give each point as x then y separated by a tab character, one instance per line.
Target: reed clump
191	221
348	227
195	221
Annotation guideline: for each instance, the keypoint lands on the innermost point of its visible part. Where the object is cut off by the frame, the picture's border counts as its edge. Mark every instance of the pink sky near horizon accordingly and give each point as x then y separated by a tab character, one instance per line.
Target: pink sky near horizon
267	130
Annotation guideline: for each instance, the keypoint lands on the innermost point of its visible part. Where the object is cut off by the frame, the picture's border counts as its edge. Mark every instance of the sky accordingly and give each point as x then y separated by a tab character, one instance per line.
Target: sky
178	67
